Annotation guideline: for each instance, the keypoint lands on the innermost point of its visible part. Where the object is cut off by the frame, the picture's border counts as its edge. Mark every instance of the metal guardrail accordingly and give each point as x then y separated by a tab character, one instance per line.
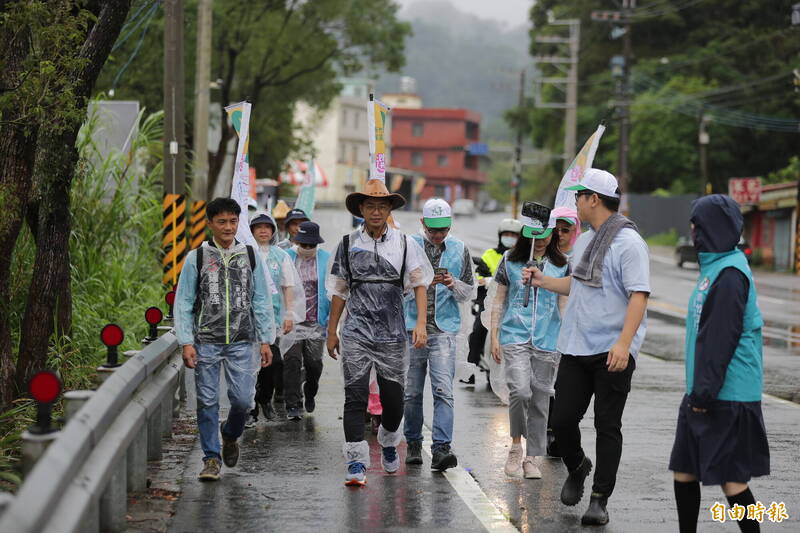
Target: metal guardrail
80	482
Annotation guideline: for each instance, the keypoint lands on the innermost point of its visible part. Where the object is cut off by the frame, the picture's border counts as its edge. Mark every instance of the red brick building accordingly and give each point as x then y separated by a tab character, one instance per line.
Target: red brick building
444	146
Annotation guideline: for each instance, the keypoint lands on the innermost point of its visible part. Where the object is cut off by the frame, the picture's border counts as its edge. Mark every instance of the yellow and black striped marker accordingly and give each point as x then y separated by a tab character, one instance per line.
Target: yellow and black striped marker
197	232
173	241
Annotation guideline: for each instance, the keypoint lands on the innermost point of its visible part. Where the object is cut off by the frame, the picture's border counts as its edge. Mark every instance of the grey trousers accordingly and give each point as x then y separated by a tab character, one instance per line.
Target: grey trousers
529	375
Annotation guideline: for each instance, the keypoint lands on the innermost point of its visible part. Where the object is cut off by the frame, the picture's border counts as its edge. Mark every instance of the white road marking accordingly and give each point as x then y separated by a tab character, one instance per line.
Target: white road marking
472	495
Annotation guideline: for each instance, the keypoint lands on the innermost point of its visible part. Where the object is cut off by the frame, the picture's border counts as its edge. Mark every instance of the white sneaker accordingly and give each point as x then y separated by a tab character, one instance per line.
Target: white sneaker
514	461
530	467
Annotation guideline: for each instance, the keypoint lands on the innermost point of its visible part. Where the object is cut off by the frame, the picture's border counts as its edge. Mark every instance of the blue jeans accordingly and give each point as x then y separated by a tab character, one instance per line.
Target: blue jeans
240	375
440	354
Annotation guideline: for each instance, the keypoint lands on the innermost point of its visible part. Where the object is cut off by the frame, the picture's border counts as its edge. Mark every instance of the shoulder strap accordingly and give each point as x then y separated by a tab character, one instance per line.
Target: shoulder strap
251	254
405	253
346	254
199	267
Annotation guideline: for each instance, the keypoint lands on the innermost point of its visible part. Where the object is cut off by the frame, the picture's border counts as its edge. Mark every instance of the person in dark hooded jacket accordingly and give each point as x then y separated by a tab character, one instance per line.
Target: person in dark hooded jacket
720	438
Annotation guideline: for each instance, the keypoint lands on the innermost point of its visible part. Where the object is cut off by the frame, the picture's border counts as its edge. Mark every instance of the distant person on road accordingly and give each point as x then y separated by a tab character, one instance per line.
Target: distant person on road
526	337
568	228
279	213
372	269
286	297
311	263
720	438
222	309
507	235
294	218
601	334
452	285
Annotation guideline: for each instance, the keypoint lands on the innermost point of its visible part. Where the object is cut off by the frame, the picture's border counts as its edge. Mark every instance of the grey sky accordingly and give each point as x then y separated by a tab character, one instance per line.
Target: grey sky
509	11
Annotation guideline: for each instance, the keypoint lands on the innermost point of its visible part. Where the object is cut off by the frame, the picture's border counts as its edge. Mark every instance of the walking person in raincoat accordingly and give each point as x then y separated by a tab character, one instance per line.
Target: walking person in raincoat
450	288
221	309
287	296
526	338
372	268
720	438
311	263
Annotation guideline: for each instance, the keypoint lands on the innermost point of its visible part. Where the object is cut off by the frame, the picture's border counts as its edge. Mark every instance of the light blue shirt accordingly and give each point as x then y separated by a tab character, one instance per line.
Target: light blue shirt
594	317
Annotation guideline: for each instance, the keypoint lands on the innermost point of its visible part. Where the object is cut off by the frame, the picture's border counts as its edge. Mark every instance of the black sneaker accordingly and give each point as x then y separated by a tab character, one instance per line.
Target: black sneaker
310	403
414	453
443	458
251	422
469	381
294	413
268	410
572	491
210	471
230	450
596	514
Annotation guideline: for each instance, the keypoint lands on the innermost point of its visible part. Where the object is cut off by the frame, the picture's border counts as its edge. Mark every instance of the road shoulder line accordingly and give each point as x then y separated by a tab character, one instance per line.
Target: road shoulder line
471	493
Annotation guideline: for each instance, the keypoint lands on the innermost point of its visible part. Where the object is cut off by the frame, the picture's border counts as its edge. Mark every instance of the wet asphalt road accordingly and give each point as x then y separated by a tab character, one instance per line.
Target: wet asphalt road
290	474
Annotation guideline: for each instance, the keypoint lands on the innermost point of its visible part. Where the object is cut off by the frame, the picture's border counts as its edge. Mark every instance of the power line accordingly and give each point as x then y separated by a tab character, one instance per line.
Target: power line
135	21
147	19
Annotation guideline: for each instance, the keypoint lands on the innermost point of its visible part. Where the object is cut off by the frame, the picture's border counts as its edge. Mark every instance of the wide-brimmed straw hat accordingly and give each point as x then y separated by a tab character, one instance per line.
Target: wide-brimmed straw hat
373	189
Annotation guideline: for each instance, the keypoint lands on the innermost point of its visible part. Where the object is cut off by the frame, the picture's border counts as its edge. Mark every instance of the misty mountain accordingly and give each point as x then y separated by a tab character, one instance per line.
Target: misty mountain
461	60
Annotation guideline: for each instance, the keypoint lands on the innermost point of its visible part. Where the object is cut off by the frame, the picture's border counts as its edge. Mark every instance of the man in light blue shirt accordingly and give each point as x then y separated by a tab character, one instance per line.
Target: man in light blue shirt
601	334
221	309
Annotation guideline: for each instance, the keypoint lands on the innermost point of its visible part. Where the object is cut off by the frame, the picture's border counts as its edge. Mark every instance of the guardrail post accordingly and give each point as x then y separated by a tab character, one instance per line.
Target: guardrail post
33	447
136	461
74	400
114	499
6	499
182	384
91	519
166	414
154	435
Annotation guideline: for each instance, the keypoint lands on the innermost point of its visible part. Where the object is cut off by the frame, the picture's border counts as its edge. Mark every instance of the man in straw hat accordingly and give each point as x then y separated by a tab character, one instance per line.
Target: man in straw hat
372	268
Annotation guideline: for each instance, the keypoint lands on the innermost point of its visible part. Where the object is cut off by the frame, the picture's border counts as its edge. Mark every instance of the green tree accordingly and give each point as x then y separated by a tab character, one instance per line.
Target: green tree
729	59
274	54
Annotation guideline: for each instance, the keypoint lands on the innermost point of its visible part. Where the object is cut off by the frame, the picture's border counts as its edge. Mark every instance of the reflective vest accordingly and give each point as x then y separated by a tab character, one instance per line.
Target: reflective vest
518	325
447	314
323	303
492	259
744	376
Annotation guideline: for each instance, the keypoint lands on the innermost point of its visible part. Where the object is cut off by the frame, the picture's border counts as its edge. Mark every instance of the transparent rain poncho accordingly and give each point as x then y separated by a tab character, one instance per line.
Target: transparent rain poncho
373	331
539	366
287	289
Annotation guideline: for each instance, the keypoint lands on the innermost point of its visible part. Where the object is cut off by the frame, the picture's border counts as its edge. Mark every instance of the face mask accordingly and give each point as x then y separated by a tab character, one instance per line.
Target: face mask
306	253
508	242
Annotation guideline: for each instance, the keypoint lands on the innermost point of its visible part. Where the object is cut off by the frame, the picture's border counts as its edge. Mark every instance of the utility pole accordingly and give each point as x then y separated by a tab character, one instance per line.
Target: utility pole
567	84
702	141
174	205
796	24
622	17
202	80
516	179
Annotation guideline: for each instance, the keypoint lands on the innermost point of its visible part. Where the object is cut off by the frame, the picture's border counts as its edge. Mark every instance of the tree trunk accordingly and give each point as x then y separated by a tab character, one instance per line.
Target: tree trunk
17	149
58	156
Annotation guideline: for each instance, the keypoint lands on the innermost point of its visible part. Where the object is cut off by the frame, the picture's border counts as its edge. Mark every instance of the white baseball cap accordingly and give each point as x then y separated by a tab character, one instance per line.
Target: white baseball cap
436	213
533	228
598	181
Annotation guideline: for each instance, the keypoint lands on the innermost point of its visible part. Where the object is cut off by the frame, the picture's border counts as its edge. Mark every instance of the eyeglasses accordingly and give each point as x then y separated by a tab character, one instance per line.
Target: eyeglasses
376	207
564	230
307	246
578	194
436	230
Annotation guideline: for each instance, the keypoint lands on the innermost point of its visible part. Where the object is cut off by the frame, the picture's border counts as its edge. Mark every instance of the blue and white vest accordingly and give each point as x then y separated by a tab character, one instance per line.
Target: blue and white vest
744	377
518	325
447	313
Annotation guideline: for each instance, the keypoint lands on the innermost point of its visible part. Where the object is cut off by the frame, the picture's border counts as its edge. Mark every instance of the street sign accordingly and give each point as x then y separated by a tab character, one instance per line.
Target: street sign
745	191
796	14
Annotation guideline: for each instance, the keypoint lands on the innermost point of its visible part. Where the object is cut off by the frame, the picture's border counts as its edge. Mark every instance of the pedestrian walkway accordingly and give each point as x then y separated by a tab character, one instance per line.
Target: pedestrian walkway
290	474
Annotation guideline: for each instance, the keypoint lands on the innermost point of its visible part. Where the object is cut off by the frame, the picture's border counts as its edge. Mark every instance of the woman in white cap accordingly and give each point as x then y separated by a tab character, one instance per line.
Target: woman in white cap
526	336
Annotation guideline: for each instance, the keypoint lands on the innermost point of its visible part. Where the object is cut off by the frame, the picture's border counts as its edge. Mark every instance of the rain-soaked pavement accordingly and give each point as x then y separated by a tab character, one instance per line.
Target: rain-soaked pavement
290	476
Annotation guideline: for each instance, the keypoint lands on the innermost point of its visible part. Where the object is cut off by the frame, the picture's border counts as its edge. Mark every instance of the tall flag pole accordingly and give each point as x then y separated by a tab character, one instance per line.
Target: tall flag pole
574	173
377	113
239	115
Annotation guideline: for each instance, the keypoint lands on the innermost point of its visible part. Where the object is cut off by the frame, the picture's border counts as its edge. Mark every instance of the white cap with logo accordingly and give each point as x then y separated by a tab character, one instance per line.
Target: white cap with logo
436	213
598	181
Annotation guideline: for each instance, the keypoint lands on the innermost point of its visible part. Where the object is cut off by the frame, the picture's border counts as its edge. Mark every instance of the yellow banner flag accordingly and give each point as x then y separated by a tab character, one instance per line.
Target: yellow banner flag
377	115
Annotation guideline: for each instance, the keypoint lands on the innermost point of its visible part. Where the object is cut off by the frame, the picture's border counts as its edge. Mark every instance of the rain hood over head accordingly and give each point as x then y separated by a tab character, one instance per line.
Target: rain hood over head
717	223
263	217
